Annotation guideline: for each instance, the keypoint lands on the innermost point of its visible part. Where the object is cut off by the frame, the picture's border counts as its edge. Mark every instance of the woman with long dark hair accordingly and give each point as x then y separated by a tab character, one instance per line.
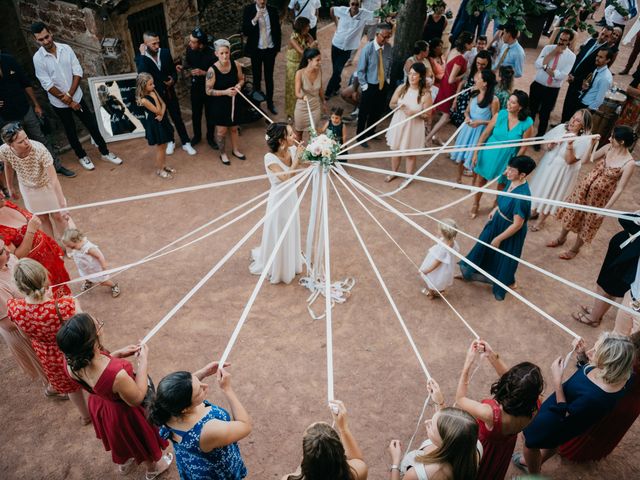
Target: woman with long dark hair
436	61
308	85
481	62
508	125
483	106
204	436
513	403
330	454
115	395
413	97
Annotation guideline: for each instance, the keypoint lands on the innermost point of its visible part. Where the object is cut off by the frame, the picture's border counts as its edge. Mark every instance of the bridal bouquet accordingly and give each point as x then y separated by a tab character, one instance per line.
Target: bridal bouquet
322	149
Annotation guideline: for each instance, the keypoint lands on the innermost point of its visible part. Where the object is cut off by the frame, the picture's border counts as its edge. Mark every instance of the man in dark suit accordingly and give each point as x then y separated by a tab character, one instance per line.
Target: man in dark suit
584	65
261	25
158	63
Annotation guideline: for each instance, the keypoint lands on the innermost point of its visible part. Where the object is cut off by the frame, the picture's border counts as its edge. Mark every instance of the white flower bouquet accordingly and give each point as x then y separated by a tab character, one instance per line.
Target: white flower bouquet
322	149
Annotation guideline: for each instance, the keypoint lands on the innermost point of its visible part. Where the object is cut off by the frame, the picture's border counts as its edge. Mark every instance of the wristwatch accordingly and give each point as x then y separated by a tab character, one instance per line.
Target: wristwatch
394	467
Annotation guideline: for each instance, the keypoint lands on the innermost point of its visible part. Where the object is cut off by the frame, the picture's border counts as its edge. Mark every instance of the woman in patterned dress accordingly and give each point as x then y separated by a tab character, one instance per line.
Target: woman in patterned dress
40	315
300	40
204	436
20	231
482	61
601	188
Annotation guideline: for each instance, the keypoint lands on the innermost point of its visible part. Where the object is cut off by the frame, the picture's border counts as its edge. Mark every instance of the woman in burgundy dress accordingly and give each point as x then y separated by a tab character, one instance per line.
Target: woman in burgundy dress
40	315
453	74
116	395
512	406
21	233
601	439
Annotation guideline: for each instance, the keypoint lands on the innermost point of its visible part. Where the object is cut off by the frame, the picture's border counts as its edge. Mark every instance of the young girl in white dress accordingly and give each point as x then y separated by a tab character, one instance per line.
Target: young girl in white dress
279	164
560	166
437	268
413	97
89	259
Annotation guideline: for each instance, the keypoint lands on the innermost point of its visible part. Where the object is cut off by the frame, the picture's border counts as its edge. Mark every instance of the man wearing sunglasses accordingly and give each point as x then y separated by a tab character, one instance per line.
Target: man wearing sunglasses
16	93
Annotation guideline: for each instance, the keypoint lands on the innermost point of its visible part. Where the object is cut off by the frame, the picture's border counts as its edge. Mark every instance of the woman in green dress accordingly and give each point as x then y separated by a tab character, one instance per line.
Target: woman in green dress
507	126
299	41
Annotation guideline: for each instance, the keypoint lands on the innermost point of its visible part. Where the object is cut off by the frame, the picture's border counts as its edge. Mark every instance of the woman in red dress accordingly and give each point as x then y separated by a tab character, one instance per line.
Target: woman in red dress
453	74
21	233
116	395
601	439
40	315
501	418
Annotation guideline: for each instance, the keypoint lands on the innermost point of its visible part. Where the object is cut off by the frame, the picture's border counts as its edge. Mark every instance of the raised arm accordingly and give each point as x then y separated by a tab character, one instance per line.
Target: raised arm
626	176
351	448
131	391
478	410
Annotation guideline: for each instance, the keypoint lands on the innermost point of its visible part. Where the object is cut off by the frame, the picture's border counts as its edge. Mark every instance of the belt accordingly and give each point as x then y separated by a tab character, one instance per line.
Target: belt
504	216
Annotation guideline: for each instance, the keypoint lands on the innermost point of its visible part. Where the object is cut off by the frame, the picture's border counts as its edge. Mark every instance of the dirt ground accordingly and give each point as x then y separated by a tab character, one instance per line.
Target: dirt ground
278	363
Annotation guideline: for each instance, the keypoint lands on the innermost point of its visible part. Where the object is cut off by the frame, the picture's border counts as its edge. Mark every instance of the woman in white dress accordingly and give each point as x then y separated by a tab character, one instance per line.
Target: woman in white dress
37	178
560	166
279	164
413	96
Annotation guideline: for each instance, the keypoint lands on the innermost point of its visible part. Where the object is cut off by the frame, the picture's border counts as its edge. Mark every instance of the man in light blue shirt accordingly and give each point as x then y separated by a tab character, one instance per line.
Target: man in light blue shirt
373	77
595	86
511	53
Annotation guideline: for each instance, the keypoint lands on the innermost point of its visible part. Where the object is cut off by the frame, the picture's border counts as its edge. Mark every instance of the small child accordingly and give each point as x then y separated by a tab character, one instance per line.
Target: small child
438	266
336	126
157	129
88	259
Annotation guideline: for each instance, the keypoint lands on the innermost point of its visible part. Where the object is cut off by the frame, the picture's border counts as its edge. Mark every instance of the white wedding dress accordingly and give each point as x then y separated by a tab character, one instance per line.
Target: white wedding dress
289	260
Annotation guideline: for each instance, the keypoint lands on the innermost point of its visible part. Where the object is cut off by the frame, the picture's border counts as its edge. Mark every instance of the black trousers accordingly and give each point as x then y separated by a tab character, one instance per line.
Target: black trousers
173	107
372	104
88	119
264	58
572	99
200	101
339	58
542	99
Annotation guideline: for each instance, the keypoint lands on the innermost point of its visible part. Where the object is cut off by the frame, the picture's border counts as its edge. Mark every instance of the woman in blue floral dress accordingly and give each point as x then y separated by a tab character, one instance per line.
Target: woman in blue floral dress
204	436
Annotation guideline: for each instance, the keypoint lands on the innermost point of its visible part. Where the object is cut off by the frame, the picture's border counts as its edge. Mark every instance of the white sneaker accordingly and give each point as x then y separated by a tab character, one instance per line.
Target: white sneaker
112	158
171	146
86	163
188	148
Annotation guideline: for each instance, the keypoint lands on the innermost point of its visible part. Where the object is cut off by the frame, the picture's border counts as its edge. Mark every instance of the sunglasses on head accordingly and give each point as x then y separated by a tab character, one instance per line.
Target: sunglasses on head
11	130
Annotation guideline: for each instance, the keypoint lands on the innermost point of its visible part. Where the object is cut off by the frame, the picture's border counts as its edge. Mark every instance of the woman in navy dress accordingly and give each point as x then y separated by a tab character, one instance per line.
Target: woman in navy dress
204	436
580	402
506	229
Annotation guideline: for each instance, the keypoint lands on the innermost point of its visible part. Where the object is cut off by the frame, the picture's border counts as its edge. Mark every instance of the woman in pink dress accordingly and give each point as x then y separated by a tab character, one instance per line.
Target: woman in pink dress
514	401
116	395
453	74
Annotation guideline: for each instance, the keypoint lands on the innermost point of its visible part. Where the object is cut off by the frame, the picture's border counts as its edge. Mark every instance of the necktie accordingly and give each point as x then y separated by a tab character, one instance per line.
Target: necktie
262	23
504	54
553	67
589	52
380	70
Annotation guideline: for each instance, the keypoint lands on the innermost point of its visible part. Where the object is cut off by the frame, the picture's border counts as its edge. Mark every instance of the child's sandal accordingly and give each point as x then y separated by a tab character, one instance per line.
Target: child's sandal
163	174
86	285
169	170
115	291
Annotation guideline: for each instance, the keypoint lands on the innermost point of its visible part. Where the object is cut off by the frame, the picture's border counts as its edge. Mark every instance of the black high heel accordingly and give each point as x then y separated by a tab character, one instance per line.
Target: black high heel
227	163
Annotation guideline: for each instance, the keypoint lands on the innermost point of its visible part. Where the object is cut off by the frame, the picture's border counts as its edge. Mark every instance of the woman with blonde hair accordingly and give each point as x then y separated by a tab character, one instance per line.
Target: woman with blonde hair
451	451
40	315
580	402
330	454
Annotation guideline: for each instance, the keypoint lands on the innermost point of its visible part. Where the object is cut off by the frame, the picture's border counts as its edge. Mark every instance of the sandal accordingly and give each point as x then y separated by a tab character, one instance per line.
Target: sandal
556	243
389	178
168	458
163	174
125	467
115	291
85	421
568	255
55	395
583	319
169	170
518	461
86	285
586	309
535	228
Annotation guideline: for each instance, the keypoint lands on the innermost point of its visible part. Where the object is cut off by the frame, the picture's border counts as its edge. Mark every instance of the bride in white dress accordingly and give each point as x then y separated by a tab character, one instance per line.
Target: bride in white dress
283	158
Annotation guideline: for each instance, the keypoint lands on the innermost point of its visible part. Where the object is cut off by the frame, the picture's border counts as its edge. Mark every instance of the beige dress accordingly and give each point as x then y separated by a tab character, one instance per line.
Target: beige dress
19	345
36	187
301	120
410	134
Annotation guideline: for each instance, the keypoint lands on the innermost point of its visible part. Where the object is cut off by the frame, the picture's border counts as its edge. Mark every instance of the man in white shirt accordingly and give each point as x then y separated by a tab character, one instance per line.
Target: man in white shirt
552	68
59	72
613	18
350	23
307	9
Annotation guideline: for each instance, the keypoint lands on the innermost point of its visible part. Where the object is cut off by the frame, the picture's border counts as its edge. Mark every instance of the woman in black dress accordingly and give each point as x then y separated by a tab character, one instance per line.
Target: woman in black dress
617	273
435	24
224	81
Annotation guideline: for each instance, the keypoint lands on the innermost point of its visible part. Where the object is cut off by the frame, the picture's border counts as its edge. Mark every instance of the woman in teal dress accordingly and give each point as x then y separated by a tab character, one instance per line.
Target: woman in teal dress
507	126
506	230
